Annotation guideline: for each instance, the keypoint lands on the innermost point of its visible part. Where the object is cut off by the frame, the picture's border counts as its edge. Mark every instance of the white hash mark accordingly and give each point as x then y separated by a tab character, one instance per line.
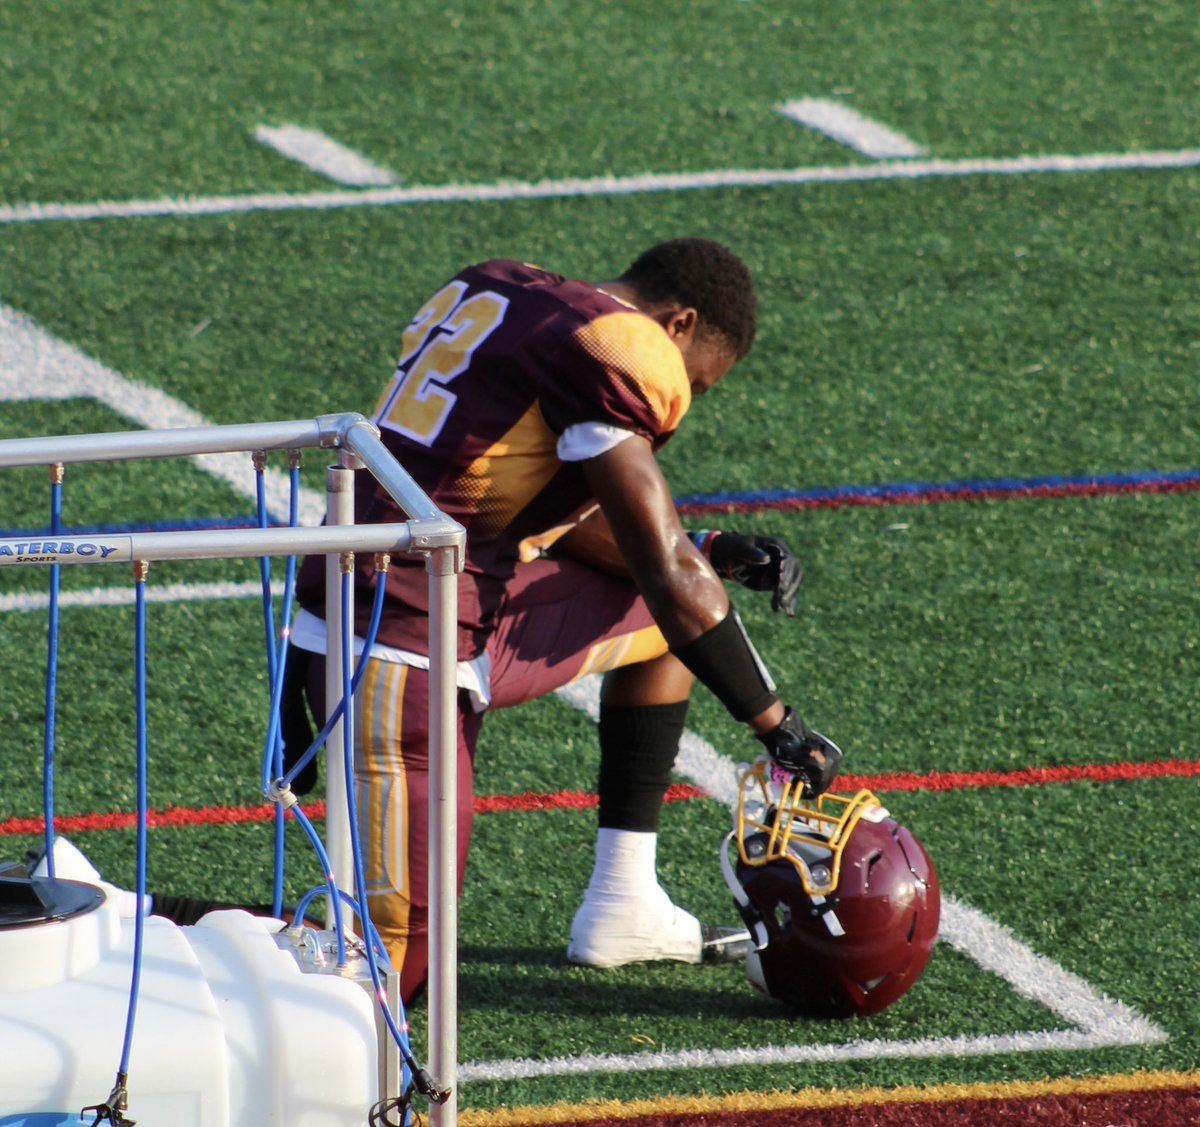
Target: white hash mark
324	155
849	127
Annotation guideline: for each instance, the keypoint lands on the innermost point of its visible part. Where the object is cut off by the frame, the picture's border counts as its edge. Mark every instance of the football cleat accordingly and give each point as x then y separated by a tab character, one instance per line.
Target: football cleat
612	931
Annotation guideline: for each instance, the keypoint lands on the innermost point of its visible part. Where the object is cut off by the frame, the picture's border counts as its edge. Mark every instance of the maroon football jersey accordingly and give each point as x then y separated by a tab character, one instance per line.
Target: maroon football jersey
493	369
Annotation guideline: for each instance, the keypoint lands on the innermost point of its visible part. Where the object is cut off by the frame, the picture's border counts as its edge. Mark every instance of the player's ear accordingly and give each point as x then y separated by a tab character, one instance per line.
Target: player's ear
680	323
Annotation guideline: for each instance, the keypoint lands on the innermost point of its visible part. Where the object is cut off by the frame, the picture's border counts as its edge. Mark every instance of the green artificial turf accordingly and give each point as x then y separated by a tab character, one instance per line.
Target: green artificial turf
944	329
143	99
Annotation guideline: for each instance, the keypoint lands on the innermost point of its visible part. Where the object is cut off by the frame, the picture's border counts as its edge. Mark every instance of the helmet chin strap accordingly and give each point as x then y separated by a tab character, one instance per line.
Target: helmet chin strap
749	913
753	917
828	916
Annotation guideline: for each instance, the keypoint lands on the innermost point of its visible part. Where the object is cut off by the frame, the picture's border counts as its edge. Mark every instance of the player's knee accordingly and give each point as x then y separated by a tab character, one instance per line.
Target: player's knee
665	680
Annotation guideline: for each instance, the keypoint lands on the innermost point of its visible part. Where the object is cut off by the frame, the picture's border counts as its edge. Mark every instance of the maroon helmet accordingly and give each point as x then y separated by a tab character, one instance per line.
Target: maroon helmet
842	901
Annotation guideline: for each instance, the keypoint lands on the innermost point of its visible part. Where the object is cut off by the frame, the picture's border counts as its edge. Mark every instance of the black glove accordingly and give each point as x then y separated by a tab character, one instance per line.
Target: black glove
761	563
803	752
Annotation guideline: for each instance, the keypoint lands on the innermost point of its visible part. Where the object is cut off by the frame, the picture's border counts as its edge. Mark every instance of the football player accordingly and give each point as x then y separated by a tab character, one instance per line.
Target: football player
530	407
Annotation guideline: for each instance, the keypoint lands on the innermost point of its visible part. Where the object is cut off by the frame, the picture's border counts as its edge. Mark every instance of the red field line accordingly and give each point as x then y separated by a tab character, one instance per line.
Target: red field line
179	816
893	782
171	816
1025	777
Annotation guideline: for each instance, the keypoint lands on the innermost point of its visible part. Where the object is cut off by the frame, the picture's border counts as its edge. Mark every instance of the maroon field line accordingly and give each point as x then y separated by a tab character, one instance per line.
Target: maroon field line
932	496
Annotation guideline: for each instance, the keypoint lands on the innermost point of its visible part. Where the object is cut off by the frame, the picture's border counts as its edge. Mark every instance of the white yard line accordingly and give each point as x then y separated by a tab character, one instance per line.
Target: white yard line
185	206
844	124
830	1052
35	364
125	596
325	156
1097	1020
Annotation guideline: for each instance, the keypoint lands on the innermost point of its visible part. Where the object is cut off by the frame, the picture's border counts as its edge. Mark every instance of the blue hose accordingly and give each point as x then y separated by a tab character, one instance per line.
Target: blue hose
142	817
323	890
49	734
276	664
330	882
359	673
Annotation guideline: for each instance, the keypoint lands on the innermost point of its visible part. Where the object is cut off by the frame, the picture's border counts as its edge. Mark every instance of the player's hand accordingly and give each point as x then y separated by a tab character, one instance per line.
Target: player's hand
806	754
761	563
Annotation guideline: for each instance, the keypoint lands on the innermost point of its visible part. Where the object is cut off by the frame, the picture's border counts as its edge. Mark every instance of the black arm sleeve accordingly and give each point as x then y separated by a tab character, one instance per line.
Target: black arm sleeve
724	660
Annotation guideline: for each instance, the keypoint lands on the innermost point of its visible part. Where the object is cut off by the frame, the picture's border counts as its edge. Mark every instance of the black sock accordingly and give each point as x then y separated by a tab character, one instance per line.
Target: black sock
295	728
637	751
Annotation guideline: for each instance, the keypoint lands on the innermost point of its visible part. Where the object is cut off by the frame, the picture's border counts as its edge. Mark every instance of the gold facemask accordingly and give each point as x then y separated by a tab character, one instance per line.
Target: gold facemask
809	834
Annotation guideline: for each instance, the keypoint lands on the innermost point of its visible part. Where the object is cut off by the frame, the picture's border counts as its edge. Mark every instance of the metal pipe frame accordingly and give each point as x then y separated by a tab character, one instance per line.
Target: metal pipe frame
443	834
428	531
119	446
339	513
209	544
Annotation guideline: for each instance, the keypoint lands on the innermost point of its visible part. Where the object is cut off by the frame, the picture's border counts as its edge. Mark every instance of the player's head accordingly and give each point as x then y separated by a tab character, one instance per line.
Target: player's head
705	276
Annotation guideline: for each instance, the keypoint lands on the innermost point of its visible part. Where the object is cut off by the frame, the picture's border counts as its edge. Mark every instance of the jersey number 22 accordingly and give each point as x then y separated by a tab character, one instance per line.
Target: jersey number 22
436	347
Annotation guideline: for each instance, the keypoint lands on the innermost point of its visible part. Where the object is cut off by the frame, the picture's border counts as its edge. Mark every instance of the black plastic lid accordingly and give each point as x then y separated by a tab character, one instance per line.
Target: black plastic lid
29	901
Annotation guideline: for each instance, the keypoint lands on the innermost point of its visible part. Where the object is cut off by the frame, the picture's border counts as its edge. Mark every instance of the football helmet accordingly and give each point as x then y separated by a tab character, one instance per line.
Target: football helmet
843	902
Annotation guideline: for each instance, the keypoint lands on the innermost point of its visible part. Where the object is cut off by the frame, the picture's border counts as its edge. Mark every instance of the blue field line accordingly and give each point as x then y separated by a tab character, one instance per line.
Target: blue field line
913	492
891	493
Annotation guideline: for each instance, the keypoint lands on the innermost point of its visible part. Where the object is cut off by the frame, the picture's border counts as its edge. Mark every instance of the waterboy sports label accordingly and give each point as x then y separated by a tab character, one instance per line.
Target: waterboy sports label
66	550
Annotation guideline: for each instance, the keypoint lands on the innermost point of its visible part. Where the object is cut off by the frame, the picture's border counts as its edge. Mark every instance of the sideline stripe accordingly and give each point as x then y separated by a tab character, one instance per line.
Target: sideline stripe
844	124
929	493
324	156
186	206
936	781
827	1099
911	493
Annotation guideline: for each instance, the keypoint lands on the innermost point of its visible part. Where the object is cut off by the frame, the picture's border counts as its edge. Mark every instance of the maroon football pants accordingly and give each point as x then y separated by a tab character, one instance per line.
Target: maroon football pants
560	621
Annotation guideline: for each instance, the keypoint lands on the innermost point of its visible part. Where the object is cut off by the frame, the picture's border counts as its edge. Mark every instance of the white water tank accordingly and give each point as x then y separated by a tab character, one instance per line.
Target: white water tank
239	1023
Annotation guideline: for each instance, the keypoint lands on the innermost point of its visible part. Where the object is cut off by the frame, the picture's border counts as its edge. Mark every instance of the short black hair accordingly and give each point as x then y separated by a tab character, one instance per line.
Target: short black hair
708	277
